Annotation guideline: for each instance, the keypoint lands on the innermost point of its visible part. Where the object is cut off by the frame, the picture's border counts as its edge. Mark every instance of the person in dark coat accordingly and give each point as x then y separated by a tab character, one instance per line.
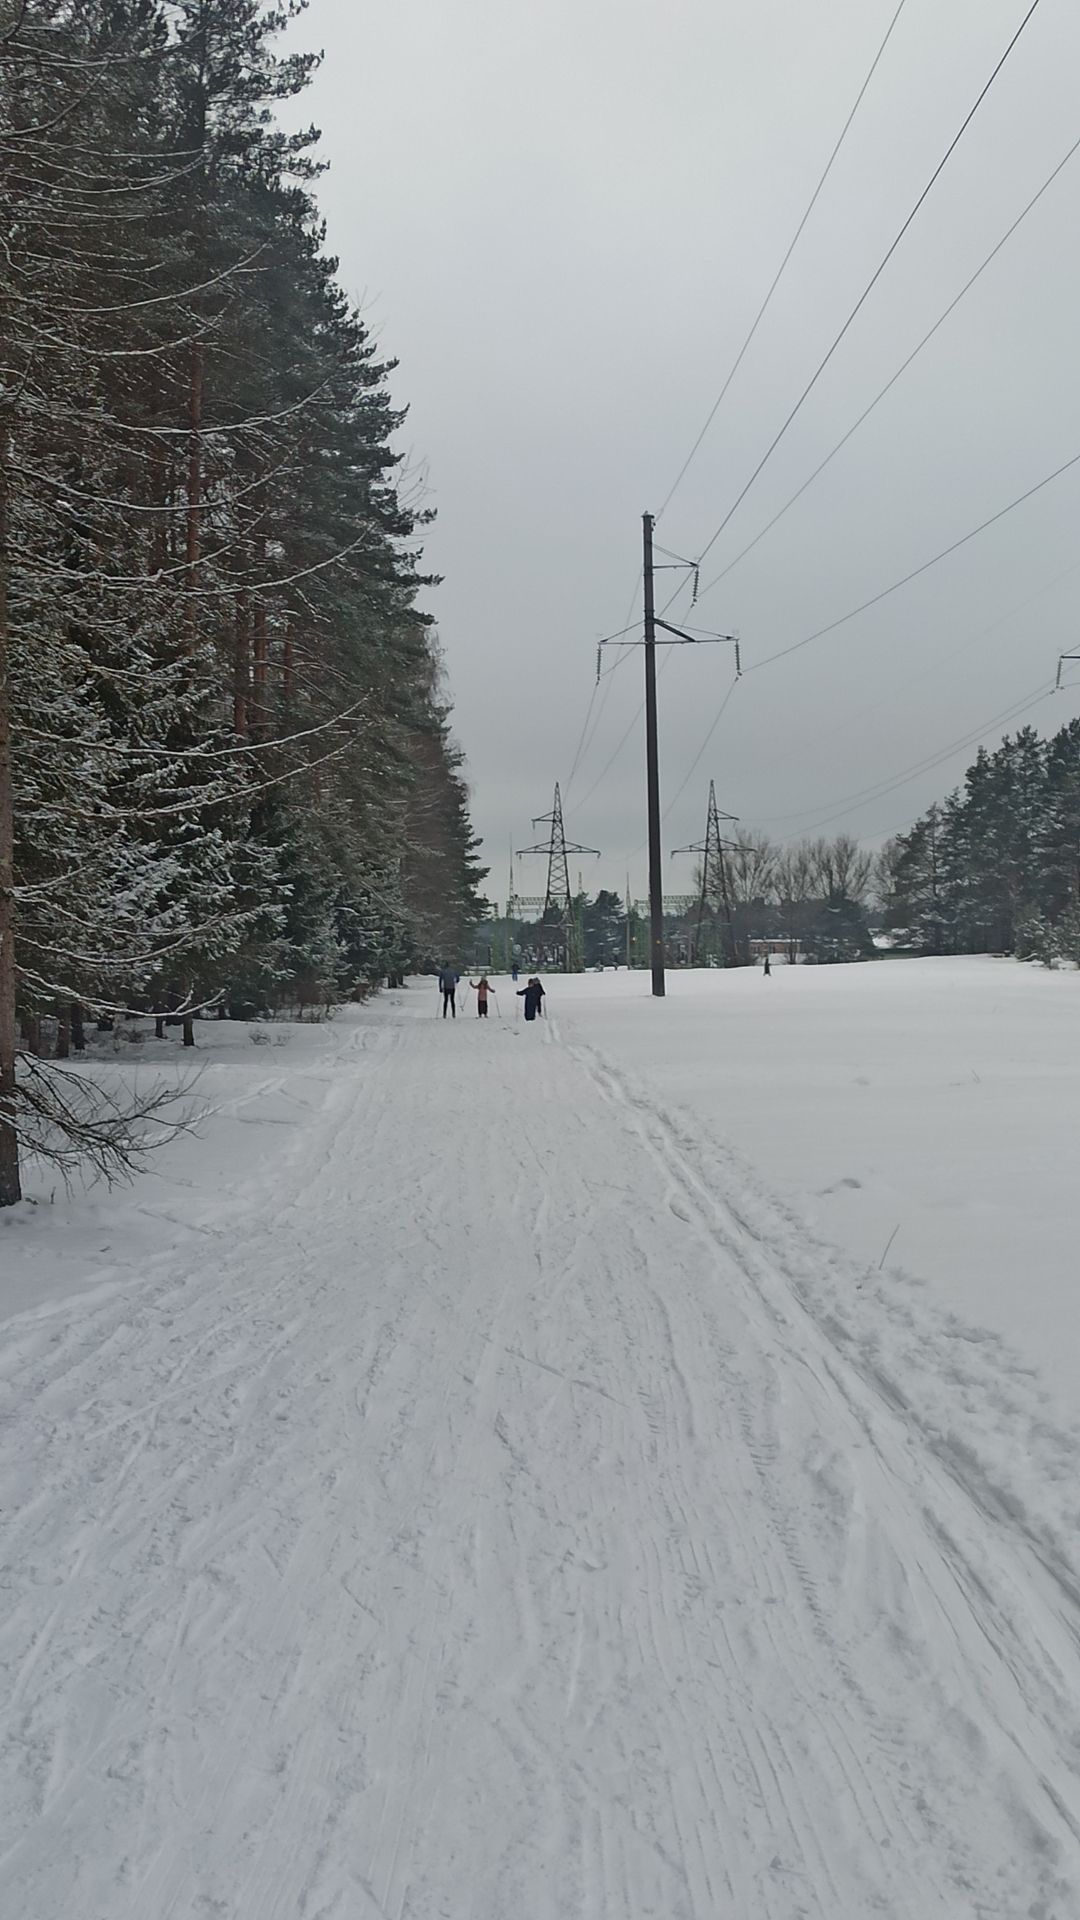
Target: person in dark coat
532	994
447	987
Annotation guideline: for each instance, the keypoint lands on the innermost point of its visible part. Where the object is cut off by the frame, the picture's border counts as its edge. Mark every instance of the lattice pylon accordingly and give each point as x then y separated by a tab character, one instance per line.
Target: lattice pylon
557	891
558	900
714	899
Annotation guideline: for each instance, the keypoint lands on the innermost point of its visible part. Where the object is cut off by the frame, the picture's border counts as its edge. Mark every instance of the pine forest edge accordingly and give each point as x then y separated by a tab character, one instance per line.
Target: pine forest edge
227	779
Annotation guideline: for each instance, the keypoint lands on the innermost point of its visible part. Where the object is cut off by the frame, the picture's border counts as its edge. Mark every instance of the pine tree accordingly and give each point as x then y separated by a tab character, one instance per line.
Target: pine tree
225	765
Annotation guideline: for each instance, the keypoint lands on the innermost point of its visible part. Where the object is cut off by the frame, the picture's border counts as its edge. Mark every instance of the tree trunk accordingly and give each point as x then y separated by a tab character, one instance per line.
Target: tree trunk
189	1030
161	462
258	684
287	672
10	1190
77	1035
241	666
194	490
63	1033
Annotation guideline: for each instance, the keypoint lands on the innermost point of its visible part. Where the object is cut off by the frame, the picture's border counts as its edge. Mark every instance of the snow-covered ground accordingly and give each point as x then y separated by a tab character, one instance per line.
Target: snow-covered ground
456	1485
937	1097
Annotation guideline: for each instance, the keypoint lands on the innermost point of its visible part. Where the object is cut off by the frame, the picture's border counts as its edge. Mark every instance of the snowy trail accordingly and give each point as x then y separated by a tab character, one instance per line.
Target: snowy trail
469	1519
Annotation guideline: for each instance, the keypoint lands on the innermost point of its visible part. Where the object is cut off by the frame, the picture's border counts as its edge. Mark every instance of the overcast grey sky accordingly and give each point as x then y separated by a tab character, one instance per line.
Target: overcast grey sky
561	219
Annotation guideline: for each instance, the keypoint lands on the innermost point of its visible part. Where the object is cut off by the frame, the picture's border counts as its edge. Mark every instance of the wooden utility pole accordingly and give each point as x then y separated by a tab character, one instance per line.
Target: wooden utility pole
674	636
656	865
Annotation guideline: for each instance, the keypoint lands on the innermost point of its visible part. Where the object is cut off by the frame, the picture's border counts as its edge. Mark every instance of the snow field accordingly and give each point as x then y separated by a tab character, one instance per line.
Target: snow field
454	1486
937	1097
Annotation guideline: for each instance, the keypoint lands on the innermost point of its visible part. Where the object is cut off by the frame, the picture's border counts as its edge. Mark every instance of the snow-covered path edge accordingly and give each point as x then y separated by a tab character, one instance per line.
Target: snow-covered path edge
978	1491
973	1403
504	1519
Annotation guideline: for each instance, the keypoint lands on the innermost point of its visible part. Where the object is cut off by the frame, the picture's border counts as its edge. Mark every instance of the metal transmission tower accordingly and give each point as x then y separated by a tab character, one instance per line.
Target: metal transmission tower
715	895
558	900
511	913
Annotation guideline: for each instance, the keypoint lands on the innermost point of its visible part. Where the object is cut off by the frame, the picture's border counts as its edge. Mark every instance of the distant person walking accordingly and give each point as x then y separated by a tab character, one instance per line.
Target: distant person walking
448	980
532	994
767	968
514	972
481	988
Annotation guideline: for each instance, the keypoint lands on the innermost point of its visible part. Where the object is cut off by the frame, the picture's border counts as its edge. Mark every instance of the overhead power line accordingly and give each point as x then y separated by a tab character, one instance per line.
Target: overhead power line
874	599
935	667
608	764
775	285
871	283
673	803
714	409
869	603
841	621
865	605
693	764
585	743
584	731
583	746
937	759
889	384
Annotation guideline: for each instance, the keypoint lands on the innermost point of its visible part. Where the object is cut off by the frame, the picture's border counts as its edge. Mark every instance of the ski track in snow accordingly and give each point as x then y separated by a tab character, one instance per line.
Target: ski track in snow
473	1516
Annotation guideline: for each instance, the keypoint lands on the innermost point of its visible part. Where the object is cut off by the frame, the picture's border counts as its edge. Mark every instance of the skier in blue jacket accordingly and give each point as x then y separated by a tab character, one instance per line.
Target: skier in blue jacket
448	980
532	994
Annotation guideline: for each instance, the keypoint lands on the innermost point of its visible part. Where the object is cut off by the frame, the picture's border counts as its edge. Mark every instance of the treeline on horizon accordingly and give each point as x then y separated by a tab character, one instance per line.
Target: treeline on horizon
814	895
996	866
226	776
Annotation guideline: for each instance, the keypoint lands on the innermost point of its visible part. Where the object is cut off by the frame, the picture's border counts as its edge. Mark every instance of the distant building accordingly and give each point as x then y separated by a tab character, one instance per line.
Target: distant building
777	949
